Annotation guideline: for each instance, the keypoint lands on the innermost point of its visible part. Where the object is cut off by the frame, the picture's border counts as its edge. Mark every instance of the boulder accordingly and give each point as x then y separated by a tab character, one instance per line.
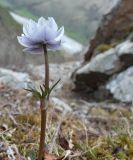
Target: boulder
110	51
103	66
121	86
115	26
16	80
60	105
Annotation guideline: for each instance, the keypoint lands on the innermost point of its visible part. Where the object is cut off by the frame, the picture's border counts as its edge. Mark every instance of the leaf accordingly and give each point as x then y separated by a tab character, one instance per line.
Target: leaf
29	90
42	90
50	90
36	94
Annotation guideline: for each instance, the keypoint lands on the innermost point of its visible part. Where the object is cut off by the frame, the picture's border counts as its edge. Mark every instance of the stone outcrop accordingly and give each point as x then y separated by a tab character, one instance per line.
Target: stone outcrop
103	66
121	86
17	80
108	62
115	27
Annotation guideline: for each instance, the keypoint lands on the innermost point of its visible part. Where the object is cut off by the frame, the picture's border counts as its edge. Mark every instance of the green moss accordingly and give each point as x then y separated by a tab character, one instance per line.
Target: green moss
130	37
102	48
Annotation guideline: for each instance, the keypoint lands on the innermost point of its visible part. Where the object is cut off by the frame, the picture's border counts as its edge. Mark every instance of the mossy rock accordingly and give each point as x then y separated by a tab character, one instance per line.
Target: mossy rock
130	37
103	47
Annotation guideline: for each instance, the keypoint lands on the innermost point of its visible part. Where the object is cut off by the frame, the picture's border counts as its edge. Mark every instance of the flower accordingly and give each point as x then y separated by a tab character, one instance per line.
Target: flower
44	32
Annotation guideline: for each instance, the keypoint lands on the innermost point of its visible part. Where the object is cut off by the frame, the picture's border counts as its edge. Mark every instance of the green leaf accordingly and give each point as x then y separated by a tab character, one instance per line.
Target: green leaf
34	92
29	90
50	90
44	91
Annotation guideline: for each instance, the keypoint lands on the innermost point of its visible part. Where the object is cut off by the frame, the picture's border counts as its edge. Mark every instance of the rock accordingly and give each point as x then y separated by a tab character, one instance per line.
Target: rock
60	105
14	79
121	86
96	72
110	51
115	26
125	48
104	65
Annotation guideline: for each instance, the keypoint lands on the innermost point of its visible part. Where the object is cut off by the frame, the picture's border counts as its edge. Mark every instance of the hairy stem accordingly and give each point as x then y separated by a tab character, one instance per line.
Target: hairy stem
43	108
41	154
46	66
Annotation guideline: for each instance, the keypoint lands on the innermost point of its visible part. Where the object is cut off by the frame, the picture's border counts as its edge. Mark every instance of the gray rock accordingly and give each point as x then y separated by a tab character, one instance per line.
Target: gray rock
121	86
101	67
125	48
60	105
113	27
103	63
14	79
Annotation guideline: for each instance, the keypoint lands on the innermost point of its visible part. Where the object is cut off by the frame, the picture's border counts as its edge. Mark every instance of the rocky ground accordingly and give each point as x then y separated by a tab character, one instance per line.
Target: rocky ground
109	59
76	128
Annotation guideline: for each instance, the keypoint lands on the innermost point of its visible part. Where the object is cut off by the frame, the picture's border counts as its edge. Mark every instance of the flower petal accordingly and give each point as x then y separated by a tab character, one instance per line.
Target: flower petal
30	28
50	34
25	30
41	21
38	36
60	34
52	24
33	50
54	46
26	42
43	32
53	42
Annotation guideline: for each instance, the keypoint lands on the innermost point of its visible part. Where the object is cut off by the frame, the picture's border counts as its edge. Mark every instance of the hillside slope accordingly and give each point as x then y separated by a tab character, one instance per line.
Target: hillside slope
10	51
80	17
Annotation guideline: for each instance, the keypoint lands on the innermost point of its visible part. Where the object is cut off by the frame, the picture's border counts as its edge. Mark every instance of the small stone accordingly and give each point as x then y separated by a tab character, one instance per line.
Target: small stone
60	105
17	80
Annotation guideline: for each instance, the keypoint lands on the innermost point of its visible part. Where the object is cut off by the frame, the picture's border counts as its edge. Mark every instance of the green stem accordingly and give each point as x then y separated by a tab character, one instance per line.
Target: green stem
43	108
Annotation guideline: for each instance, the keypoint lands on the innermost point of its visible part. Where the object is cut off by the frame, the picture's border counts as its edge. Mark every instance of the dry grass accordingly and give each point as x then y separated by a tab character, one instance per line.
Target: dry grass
102	134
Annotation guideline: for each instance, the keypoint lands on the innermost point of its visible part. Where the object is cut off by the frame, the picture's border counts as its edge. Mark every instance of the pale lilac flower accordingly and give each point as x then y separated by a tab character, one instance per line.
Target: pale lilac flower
44	32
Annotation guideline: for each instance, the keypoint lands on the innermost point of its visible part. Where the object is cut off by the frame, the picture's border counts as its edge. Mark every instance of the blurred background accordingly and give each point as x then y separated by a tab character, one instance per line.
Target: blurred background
80	18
